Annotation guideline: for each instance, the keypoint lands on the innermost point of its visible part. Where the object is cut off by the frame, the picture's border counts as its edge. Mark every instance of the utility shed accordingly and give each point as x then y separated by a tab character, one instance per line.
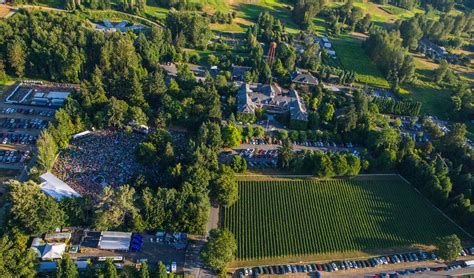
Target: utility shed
115	241
55	187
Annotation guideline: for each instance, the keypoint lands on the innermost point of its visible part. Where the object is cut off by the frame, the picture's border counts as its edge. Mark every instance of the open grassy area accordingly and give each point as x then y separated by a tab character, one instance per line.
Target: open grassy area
298	218
246	12
434	99
382	13
353	57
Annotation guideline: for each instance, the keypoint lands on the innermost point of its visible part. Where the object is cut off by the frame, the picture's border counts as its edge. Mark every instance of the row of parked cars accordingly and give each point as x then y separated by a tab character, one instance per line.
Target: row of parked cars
13	156
24	123
262	154
305	143
13	138
353	264
324	144
27	111
411	271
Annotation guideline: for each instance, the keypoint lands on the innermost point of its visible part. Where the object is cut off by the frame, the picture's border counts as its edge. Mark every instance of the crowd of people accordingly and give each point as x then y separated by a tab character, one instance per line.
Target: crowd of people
102	158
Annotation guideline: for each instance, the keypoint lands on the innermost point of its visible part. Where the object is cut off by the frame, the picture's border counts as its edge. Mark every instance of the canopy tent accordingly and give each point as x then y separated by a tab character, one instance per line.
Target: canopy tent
55	187
53	251
115	241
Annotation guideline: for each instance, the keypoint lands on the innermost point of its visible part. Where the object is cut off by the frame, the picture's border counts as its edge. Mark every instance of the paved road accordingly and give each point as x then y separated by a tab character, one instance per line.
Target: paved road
213	219
193	266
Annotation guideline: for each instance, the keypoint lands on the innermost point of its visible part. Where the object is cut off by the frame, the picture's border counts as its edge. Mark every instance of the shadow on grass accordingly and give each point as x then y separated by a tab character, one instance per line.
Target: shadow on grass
252	11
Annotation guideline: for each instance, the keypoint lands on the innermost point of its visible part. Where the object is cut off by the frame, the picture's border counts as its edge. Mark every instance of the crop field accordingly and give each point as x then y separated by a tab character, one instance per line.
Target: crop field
353	57
300	218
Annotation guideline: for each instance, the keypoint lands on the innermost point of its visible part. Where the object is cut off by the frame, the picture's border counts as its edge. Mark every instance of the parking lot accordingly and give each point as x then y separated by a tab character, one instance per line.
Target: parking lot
152	251
260	154
404	264
20	126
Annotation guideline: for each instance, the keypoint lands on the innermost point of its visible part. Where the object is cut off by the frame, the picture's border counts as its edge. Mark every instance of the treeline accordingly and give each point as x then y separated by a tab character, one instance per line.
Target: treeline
444	174
304	12
390	106
130	6
405	4
386	50
444	31
350	16
188	29
319	163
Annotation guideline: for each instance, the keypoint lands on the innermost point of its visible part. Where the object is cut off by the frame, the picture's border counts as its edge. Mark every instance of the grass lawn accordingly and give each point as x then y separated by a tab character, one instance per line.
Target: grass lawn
353	57
434	99
382	13
52	3
153	10
311	219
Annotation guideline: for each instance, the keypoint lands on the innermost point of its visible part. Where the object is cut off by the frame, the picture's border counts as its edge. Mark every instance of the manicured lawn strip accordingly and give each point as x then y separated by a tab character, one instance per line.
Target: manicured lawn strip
299	218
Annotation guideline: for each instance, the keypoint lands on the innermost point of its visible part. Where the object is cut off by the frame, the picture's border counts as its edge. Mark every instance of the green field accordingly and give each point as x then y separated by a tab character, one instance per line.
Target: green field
293	218
352	57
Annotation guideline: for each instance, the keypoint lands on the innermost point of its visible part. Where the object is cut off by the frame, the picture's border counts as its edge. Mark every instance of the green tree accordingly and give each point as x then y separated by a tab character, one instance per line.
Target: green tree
3	74
283	135
327	112
116	208
66	268
231	136
137	115
17	57
144	272
31	210
116	110
441	71
153	209
448	248
110	270
224	188
219	250
285	154
161	270
239	164
47	150
17	260
146	153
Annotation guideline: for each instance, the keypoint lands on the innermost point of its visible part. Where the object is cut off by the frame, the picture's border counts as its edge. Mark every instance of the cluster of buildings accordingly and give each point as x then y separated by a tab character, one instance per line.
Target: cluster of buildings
273	99
40	93
51	248
252	96
435	51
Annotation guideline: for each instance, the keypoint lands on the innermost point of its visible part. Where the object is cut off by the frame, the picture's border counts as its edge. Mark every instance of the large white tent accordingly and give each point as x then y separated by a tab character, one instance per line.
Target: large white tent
115	241
55	187
53	251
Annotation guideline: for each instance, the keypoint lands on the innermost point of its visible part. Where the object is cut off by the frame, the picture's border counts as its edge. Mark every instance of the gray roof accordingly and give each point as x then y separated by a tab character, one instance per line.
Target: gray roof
244	102
304	78
272	98
297	108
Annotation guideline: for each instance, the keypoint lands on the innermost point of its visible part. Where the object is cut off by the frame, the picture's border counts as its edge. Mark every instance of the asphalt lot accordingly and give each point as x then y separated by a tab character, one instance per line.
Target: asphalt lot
390	268
153	252
21	124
